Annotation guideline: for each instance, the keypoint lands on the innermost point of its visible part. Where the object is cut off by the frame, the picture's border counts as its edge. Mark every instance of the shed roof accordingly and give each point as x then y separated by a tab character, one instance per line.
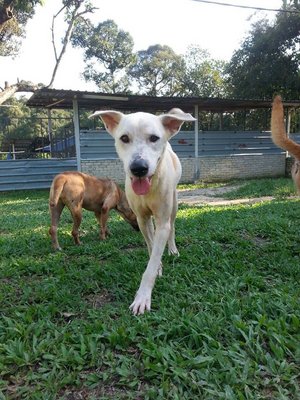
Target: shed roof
63	99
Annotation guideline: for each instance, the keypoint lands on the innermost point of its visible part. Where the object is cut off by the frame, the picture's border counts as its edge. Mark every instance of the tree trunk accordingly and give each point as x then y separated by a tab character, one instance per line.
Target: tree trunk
6	13
10	90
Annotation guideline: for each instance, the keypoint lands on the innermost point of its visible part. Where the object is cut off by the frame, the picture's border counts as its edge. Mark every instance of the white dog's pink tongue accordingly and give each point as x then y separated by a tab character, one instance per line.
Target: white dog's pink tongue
140	186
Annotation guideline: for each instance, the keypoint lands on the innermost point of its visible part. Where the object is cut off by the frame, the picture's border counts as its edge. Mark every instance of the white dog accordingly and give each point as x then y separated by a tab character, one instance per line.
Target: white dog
152	173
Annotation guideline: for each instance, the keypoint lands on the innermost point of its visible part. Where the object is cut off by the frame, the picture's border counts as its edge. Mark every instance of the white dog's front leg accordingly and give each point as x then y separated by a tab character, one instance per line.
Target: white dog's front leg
142	301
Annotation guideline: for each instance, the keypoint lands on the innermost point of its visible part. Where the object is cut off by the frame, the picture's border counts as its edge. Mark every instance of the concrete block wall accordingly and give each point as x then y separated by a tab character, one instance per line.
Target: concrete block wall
104	169
114	169
223	168
188	170
211	168
289	163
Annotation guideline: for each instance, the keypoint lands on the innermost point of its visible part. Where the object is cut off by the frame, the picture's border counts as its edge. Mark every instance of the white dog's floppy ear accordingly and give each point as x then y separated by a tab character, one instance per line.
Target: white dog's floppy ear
173	120
110	118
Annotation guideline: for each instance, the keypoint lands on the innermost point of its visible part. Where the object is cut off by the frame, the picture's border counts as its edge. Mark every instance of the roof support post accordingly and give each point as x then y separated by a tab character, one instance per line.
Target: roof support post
289	120
50	132
77	132
197	169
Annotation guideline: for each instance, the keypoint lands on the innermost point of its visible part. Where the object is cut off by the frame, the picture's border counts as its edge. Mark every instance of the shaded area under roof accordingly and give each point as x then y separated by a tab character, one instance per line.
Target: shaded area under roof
63	99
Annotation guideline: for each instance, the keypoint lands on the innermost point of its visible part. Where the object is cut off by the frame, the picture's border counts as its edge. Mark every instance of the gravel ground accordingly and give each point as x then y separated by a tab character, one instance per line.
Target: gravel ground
213	196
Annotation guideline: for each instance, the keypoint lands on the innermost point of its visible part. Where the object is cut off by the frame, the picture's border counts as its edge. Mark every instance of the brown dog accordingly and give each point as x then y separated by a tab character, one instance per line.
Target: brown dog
76	191
281	139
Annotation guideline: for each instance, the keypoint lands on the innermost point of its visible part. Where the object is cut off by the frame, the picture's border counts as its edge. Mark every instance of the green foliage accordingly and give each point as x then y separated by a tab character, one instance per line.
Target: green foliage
13	29
112	65
158	71
72	7
17	121
268	61
225	321
108	46
203	76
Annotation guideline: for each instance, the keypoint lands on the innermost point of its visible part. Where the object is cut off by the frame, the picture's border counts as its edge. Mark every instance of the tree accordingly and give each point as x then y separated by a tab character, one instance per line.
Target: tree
108	47
158	71
268	60
17	121
203	76
74	10
14	14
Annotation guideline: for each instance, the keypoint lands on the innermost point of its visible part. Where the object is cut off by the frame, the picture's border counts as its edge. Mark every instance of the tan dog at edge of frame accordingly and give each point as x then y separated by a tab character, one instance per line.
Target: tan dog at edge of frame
280	138
76	191
152	173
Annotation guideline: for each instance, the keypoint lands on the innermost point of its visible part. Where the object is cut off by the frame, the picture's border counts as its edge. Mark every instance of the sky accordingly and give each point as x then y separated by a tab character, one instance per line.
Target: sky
176	23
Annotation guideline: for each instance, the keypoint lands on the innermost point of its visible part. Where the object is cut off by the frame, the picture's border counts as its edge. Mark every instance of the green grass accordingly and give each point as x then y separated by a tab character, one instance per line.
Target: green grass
225	322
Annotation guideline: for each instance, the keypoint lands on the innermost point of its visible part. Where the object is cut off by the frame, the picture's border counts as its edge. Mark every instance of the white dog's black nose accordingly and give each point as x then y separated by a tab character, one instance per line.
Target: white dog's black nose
139	167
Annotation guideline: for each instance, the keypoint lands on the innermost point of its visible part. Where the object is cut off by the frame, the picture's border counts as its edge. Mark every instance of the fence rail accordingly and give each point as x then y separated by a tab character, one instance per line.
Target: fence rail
100	145
32	173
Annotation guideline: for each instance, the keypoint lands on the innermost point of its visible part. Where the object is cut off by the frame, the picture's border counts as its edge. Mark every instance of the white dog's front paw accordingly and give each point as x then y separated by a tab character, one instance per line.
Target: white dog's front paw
142	303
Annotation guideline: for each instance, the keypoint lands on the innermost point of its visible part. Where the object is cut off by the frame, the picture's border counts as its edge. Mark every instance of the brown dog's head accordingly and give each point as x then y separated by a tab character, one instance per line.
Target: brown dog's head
125	211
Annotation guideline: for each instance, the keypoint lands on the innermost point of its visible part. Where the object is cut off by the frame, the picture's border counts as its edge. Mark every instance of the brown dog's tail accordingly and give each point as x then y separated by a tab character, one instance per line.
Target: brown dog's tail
279	135
56	189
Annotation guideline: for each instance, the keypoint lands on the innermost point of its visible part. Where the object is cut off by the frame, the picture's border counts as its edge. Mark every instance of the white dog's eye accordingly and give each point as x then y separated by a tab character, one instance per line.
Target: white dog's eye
124	138
153	138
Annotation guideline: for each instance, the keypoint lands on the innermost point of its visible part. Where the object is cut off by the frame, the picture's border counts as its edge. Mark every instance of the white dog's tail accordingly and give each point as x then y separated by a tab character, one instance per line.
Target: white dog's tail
279	135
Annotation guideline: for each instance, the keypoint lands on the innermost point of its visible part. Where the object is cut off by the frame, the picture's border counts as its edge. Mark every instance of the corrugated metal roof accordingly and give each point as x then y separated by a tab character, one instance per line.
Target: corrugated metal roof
56	98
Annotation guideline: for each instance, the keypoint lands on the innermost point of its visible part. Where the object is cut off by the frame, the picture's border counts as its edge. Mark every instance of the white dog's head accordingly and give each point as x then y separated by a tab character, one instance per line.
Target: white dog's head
140	140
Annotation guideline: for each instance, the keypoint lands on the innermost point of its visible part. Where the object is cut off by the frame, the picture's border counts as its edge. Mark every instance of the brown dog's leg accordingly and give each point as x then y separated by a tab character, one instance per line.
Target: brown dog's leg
55	212
77	217
102	218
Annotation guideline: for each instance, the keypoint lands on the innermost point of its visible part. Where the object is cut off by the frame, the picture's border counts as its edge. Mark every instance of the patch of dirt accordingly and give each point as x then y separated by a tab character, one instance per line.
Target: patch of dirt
100	299
259	241
213	196
111	390
88	394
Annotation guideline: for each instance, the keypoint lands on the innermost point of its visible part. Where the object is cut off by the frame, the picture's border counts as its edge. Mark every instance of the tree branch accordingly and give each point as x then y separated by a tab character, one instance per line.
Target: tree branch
74	16
10	90
52	32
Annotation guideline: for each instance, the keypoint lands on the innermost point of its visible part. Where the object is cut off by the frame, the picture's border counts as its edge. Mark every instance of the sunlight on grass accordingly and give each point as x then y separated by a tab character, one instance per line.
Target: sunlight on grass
281	187
201	185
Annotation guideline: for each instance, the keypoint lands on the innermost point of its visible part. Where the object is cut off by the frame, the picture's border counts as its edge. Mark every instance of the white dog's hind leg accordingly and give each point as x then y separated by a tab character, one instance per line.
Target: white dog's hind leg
142	299
172	249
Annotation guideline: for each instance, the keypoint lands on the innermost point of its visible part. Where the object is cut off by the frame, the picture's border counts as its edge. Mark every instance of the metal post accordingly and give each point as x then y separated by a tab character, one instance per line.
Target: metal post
13	151
77	133
289	119
197	169
50	132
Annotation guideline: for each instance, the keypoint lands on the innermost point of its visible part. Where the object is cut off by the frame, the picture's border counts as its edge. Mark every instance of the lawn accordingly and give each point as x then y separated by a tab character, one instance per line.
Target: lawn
225	319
